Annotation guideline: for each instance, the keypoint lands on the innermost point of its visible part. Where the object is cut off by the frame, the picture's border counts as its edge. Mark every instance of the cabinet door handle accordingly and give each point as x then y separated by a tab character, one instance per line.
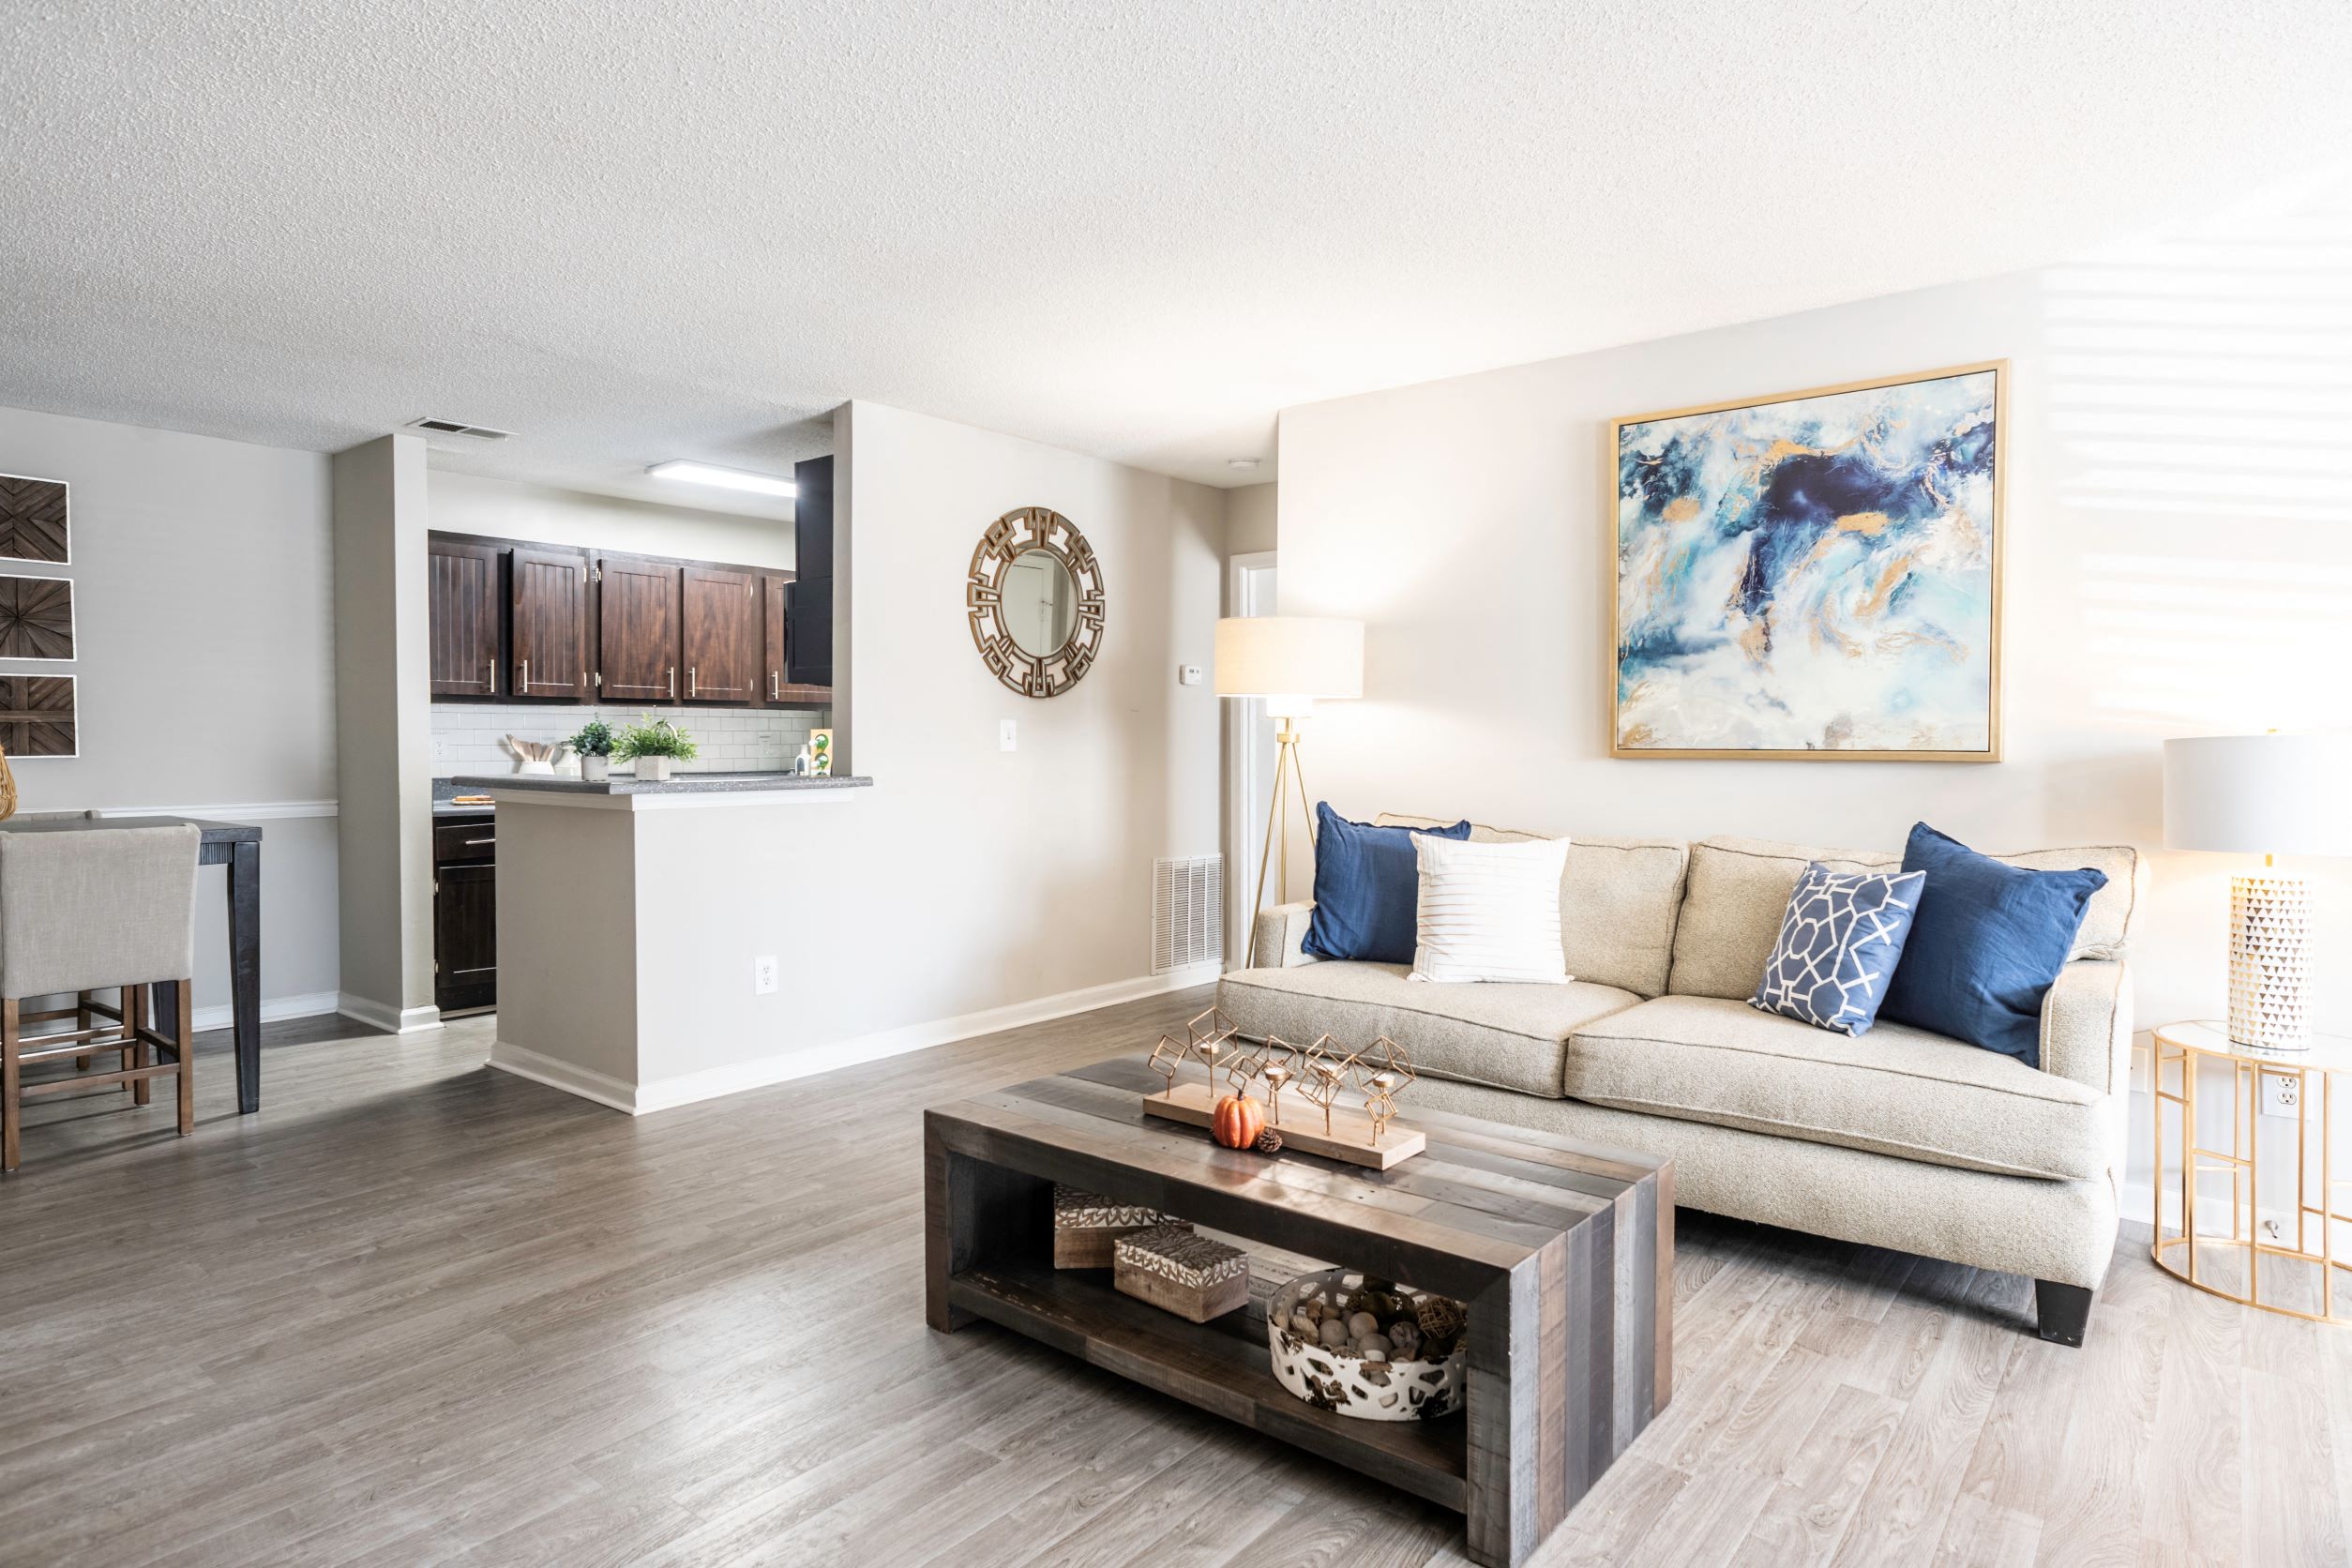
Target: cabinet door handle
526	679
774	695
673	682
471	843
694	687
493	677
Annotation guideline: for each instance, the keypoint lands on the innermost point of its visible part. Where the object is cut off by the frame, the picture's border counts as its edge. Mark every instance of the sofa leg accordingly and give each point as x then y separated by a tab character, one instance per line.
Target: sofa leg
2062	1311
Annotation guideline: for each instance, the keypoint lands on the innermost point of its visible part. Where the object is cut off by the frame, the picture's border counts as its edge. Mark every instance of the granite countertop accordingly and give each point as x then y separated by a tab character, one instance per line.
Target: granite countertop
626	784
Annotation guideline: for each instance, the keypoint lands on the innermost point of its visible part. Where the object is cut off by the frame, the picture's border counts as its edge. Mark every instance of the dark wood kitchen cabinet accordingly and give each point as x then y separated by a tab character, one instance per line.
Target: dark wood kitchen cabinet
723	635
514	619
550	624
465	912
465	584
638	625
773	638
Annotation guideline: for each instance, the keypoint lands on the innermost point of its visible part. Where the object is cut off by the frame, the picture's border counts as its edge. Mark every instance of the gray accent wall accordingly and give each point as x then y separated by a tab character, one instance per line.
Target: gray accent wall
205	667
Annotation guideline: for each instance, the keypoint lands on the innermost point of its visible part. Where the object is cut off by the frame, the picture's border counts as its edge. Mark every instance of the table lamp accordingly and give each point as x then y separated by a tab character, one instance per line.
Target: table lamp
2269	795
1289	660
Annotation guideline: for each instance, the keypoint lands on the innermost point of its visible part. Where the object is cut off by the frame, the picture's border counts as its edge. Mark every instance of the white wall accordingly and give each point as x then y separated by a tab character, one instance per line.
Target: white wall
972	878
1250	512
2180	562
383	742
206	671
506	509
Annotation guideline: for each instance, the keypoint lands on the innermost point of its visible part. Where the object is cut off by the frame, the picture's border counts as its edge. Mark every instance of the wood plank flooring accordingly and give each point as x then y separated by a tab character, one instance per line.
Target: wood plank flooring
420	1312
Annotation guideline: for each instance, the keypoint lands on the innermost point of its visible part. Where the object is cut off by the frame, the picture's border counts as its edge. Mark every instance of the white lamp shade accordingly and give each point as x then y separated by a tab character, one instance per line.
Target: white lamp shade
2260	794
1289	656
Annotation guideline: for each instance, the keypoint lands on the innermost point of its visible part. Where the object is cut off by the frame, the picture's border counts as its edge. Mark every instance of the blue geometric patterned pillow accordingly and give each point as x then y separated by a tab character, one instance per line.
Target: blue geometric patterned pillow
1839	943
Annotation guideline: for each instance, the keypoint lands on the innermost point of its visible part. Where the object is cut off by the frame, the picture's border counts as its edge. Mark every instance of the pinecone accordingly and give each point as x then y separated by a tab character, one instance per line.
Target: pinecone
1269	1142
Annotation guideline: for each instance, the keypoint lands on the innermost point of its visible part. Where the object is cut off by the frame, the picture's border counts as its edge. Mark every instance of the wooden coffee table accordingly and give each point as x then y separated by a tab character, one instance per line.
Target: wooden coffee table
1563	1252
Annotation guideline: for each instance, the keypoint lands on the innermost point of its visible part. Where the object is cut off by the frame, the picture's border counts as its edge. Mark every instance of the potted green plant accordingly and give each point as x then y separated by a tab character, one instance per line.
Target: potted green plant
653	744
594	745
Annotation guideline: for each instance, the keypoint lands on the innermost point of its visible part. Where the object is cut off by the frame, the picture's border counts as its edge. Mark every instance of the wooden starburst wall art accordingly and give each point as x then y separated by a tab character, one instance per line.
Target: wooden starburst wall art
36	715
1041	536
36	617
33	519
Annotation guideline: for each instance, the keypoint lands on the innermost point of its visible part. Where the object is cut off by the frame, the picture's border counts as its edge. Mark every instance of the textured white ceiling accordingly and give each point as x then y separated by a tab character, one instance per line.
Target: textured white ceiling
633	232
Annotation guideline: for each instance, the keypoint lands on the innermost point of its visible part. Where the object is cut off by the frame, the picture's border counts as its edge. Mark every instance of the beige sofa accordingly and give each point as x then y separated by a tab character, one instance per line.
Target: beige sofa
1901	1138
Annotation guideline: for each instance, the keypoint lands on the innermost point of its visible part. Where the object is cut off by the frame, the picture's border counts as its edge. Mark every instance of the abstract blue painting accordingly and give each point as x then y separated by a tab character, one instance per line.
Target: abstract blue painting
1814	574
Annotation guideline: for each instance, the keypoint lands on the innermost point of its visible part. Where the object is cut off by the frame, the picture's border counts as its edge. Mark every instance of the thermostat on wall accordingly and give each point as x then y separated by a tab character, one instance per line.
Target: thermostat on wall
1188	675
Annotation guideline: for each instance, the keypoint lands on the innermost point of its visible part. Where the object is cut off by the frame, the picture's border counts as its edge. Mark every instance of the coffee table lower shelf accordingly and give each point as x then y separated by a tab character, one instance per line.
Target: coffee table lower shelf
1222	1367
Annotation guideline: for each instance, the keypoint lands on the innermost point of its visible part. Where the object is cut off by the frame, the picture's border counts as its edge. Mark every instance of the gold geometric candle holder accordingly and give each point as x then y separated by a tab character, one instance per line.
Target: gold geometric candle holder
1323	1073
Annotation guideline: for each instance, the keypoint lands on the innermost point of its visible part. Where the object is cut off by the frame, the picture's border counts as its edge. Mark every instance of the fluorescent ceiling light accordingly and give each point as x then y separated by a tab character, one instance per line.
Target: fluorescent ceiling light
726	478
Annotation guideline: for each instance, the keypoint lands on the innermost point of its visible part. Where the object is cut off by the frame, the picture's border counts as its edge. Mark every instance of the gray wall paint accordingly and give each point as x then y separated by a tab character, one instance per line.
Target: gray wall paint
1250	519
205	675
384	743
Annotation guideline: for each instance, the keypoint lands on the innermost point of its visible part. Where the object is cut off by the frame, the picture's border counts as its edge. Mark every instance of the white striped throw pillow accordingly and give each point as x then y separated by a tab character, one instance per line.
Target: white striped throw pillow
1489	912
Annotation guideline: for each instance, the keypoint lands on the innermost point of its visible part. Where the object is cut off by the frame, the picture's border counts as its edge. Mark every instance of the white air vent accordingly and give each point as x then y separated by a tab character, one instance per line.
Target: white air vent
1187	912
450	427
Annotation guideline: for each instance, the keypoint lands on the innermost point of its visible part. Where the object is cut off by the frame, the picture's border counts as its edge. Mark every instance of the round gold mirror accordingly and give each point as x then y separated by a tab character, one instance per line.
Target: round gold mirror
1034	600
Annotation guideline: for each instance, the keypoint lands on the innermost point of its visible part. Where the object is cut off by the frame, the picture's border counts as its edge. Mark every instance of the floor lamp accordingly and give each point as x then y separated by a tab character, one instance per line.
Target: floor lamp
1288	660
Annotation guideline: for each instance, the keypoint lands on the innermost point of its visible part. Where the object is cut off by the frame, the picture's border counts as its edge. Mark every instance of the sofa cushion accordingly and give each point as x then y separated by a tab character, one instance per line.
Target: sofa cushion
1986	944
1366	887
1507	1036
1617	903
1896	1091
1738	888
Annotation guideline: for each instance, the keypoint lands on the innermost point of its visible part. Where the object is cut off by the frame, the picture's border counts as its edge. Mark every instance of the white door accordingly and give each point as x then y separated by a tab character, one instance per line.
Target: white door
1250	769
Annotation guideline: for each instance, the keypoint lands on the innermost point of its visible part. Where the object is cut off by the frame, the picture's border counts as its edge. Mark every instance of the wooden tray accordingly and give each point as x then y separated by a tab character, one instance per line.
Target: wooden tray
1302	1127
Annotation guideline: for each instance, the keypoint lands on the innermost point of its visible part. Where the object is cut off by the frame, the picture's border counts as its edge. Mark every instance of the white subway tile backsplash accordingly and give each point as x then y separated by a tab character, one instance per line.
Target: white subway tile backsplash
469	735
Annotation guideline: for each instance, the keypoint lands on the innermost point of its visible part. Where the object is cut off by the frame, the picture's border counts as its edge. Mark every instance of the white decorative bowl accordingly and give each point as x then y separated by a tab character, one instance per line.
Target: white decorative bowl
1337	1380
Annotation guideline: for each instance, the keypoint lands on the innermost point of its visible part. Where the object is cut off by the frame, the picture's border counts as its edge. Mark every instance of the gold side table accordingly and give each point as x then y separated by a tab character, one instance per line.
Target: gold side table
2289	1268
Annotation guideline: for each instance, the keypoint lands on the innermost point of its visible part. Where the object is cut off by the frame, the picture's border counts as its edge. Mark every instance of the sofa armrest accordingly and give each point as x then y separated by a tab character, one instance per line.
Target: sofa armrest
2087	1025
1274	944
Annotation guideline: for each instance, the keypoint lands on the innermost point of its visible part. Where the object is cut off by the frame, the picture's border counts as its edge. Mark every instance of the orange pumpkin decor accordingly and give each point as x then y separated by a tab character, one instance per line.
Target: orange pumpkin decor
1239	1120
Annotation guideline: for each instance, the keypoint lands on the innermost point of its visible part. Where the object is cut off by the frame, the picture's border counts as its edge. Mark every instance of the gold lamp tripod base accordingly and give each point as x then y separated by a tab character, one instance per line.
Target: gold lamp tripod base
1286	772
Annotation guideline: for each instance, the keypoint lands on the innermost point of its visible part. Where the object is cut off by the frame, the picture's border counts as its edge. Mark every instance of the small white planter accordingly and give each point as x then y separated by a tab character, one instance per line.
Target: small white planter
595	769
655	769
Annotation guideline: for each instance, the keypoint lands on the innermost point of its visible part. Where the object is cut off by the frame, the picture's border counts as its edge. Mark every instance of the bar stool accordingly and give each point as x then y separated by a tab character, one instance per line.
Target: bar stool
109	908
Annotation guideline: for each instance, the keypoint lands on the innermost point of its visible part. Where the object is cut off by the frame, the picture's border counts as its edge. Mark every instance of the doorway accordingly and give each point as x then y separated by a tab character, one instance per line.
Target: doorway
1250	753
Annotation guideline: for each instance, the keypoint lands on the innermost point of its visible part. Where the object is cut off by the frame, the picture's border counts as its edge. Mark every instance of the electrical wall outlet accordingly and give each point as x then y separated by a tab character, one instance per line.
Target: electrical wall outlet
1008	734
2282	1095
441	749
762	976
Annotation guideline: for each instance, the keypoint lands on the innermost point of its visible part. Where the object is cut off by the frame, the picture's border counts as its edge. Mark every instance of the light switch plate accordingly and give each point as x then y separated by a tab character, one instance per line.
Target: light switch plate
1008	734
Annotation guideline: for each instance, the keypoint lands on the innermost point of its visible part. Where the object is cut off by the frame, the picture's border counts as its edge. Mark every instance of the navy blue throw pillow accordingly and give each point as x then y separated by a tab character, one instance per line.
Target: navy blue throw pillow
1367	888
1986	943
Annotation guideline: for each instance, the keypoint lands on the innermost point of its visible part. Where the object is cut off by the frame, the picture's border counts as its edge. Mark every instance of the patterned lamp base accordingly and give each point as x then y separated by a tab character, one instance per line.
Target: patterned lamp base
2269	962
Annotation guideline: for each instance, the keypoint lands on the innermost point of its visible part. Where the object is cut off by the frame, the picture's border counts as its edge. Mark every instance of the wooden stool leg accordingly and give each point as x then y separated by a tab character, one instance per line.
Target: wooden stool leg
123	1005
135	1019
11	1084
185	1036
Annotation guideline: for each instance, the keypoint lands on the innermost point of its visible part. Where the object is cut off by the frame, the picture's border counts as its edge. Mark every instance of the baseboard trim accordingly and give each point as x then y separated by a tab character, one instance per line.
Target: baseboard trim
526	1064
375	1015
315	1005
736	1076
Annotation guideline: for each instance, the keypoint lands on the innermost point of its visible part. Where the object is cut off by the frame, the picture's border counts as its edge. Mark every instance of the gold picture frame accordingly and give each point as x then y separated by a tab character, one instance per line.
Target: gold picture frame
1612	538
